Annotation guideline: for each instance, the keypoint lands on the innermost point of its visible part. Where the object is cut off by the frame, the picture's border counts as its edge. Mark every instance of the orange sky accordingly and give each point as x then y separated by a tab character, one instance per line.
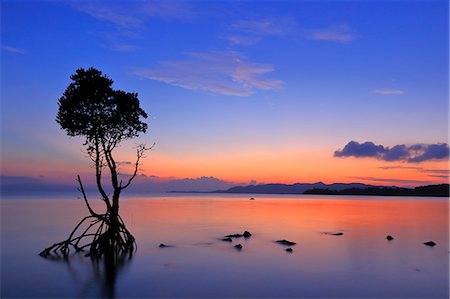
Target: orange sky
290	163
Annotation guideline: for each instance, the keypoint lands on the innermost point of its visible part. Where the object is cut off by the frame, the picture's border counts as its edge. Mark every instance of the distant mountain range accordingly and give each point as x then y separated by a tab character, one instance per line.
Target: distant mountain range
340	189
41	186
298	188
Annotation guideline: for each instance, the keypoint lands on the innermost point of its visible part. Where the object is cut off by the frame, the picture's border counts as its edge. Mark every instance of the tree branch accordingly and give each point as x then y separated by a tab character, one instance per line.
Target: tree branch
85	198
111	164
140	151
98	174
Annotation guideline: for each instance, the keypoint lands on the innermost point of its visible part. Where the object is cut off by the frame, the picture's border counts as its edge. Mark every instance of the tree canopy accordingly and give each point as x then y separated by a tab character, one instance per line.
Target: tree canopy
91	108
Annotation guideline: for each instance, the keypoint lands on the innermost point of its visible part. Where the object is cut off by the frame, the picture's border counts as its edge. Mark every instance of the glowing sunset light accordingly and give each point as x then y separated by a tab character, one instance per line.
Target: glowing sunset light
268	97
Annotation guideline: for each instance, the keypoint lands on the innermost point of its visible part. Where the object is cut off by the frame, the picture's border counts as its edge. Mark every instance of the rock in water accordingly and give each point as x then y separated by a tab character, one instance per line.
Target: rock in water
247	234
289	249
227	239
162	245
430	243
238	246
332	233
233	236
390	238
252	198
286	242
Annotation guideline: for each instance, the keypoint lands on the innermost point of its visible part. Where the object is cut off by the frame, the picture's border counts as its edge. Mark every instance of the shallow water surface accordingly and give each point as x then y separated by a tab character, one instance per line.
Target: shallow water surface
360	263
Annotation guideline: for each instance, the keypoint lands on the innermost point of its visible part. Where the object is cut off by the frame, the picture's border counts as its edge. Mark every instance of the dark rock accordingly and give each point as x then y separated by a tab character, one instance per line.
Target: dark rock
430	243
227	239
238	246
252	198
234	236
390	238
286	242
289	249
332	233
247	234
162	245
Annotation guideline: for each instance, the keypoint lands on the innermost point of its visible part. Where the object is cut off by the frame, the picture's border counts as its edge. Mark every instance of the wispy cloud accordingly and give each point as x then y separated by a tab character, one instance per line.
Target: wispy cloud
132	15
119	14
246	32
438	171
400	167
340	33
393	180
434	173
285	26
420	169
124	47
242	40
227	73
444	176
388	91
266	27
413	154
13	50
130	18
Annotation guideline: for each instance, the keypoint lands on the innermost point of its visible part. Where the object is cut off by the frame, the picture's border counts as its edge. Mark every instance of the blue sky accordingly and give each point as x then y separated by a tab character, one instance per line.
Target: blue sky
231	85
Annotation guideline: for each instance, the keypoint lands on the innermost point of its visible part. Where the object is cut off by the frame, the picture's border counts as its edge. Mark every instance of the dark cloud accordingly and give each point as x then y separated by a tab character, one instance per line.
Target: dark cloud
396	153
356	149
414	153
430	152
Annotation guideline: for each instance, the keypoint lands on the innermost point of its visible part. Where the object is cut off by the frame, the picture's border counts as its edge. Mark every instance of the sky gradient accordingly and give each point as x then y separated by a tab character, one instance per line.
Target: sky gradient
288	91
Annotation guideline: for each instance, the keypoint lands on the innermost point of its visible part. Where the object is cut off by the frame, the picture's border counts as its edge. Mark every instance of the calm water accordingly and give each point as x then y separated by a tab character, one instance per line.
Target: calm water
360	263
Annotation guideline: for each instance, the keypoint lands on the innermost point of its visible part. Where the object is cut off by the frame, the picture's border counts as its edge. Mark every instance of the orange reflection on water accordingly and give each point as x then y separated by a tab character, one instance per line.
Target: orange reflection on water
302	218
359	263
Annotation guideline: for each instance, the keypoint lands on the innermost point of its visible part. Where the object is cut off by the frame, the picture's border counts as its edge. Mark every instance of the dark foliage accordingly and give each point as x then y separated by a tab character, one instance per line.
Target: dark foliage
91	108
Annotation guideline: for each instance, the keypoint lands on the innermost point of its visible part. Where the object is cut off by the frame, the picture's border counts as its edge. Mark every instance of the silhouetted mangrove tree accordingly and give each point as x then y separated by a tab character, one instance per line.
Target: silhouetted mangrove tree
90	108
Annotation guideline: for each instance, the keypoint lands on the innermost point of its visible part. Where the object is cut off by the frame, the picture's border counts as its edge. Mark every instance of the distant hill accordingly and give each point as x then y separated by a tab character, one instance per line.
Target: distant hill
291	189
441	190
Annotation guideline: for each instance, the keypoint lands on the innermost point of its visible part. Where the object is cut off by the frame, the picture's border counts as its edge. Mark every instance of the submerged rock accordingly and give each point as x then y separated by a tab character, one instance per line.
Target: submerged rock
162	245
247	234
238	246
389	238
286	242
228	239
332	233
430	243
289	249
233	236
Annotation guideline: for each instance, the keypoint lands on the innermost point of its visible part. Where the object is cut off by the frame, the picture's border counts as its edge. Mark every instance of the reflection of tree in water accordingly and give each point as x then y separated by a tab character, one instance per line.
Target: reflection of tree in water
94	277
